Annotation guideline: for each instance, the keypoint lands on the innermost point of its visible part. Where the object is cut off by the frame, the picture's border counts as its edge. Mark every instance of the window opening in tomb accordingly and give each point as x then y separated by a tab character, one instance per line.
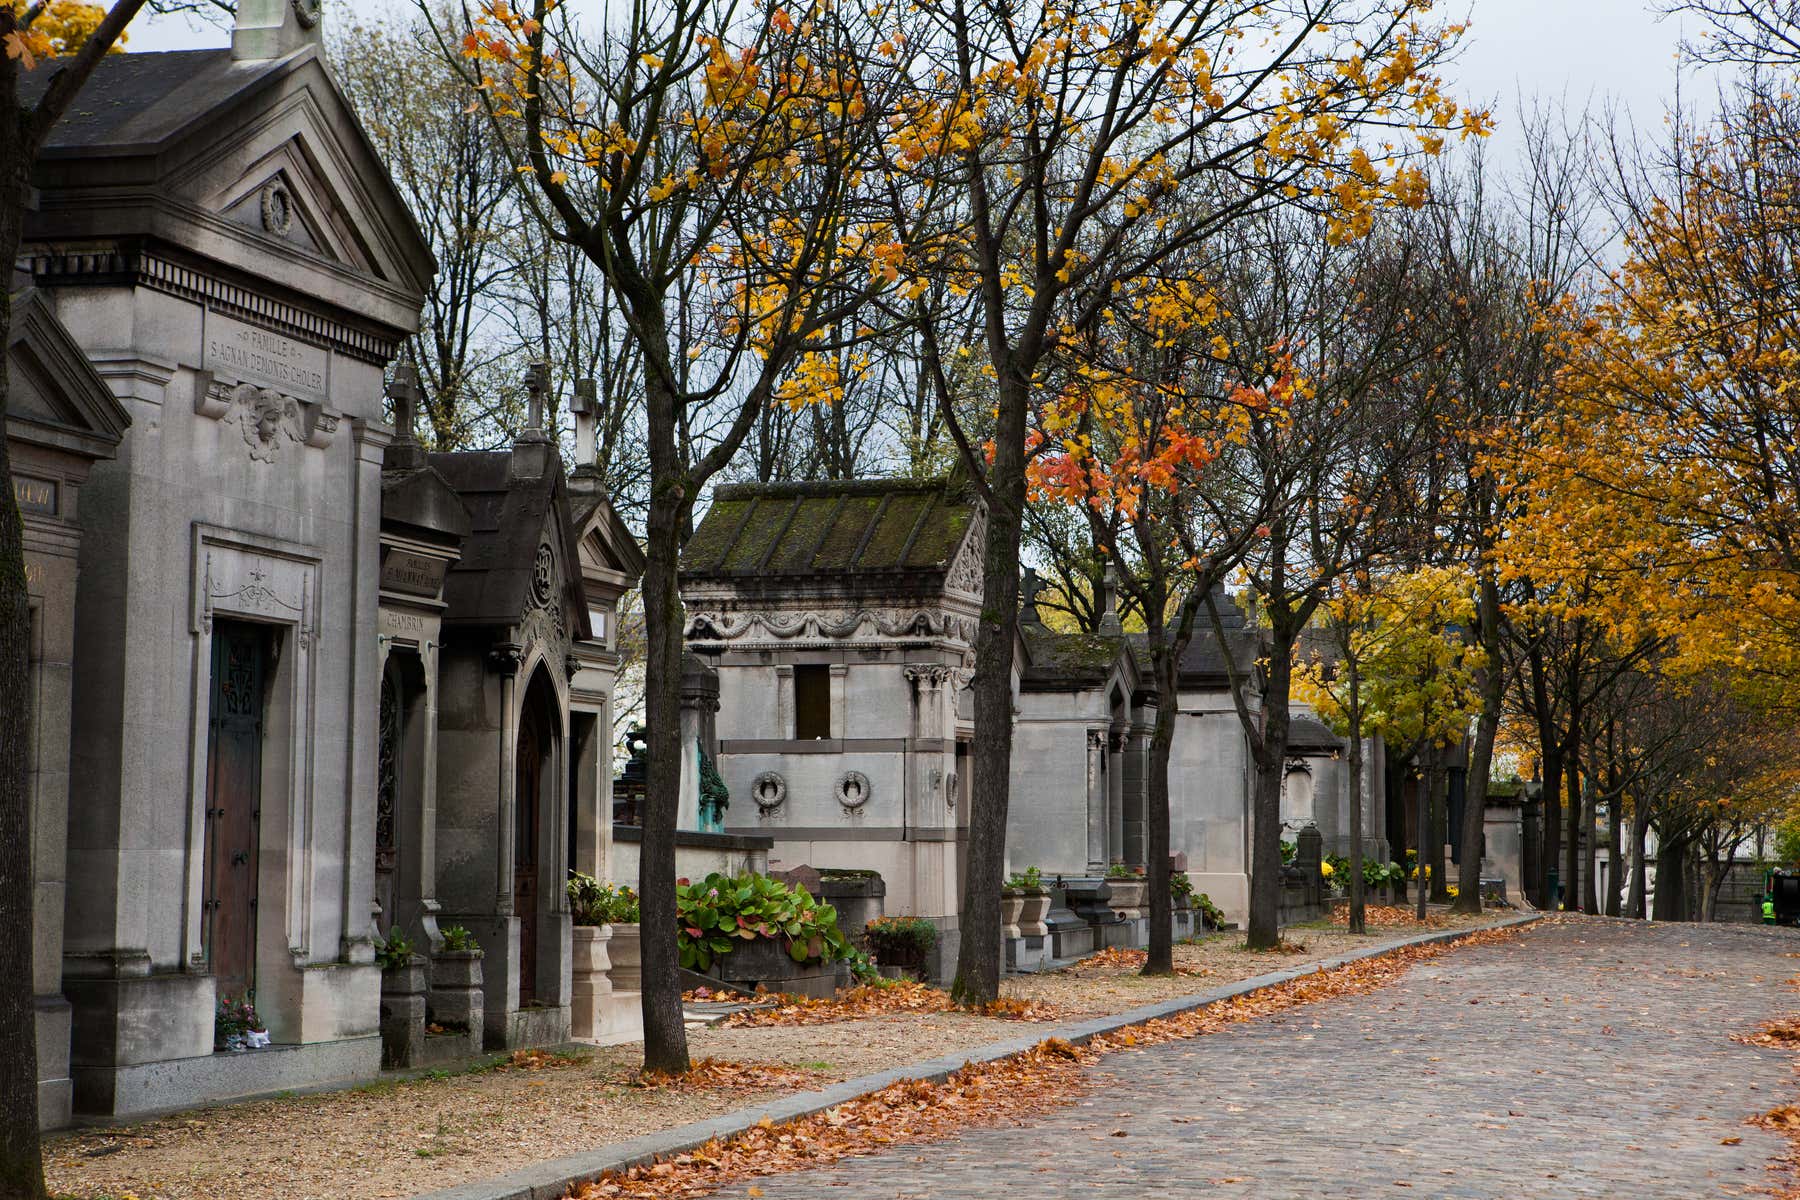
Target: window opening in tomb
812	702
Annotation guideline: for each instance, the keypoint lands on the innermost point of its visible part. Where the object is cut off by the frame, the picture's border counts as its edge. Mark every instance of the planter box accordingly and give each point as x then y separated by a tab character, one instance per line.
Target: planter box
626	950
1127	897
1012	903
590	989
456	1002
765	962
1032	914
403	990
859	898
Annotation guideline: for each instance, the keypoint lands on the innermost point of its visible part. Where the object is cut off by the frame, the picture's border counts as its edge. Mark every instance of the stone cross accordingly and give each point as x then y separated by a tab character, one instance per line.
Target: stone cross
1109	601
1030	588
404	391
537	382
586	408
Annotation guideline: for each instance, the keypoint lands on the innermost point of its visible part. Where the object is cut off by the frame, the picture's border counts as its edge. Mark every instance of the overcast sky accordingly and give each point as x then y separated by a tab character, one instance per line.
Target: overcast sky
1590	53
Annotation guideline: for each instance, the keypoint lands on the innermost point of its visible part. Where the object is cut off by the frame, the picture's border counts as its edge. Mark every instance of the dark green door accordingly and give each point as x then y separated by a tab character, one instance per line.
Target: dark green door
234	803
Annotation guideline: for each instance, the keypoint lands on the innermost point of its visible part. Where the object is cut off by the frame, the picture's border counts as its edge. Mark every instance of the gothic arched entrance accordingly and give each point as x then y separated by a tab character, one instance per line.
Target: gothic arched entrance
534	778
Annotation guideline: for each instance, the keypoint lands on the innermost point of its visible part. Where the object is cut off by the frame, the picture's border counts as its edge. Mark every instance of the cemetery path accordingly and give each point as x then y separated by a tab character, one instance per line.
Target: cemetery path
1583	1058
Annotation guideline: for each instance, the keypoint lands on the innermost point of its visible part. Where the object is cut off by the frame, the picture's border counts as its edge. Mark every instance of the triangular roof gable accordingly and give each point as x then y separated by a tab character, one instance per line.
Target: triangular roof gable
56	397
509	518
606	541
214	137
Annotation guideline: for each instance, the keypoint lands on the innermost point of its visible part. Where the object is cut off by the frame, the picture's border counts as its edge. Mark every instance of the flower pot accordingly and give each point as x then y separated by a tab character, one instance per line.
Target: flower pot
589	987
1032	913
626	950
456	997
1012	903
1127	897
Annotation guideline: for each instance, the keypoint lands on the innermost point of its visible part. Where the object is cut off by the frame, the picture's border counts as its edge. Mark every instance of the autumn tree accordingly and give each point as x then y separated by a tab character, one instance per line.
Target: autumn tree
1067	131
47	54
1402	671
709	161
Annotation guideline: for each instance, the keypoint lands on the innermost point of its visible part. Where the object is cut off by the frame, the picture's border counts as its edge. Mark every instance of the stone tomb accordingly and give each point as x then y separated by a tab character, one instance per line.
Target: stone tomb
219	239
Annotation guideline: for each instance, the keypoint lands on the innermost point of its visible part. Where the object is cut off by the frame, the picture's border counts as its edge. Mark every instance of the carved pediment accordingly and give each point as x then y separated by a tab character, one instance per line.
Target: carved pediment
54	388
284	196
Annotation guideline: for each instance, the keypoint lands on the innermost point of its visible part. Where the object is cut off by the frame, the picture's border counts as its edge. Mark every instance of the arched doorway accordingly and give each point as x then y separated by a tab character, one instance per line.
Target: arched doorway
534	785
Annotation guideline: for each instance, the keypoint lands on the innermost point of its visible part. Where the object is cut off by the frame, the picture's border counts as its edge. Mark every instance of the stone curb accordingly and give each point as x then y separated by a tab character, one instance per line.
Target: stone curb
552	1179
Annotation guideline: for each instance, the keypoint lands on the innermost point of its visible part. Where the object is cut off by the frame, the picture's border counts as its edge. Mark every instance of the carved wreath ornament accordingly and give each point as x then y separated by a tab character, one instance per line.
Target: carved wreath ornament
769	791
853	790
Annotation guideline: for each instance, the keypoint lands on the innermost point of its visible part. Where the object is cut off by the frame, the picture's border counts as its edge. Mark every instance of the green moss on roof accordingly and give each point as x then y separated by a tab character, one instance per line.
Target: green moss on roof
829	527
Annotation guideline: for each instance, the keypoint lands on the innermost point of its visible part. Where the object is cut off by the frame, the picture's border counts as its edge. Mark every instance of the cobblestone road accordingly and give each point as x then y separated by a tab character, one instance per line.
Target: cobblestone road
1585	1058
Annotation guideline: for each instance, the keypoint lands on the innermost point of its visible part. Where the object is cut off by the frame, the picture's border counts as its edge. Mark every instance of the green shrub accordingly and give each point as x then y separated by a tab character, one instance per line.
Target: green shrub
395	952
458	940
594	903
1180	886
717	912
901	939
1213	914
1120	871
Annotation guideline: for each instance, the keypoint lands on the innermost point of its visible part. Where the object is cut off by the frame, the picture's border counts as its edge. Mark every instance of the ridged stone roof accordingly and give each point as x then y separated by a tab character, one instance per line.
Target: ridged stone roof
834	527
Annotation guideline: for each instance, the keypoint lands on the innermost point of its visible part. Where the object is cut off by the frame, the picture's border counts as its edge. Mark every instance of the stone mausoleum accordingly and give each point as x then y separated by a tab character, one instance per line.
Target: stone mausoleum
299	687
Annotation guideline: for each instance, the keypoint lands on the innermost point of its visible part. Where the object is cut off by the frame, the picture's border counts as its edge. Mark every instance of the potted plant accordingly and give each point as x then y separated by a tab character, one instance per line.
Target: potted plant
1181	890
901	945
1036	901
589	909
617	906
1128	887
456	1001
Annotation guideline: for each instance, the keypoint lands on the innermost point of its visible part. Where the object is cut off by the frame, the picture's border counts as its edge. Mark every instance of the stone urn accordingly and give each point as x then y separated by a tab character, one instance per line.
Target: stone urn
1035	908
1127	896
1012	903
590	987
627	953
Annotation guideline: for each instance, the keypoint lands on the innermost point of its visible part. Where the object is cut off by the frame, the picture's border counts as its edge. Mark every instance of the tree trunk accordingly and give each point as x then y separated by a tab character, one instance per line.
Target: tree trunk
978	959
665	1032
1711	879
1670	903
1640	823
1422	835
1571	881
1481	754
1439	811
1358	898
1615	854
1270	753
21	1167
1590	850
1160	956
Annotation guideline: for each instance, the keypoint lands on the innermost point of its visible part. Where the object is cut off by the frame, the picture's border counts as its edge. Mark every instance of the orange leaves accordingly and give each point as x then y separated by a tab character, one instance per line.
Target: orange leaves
851	1004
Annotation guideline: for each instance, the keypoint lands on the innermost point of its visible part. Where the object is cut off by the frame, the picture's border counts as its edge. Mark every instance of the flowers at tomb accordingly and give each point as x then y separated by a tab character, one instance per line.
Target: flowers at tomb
594	903
458	940
236	1026
1210	913
717	913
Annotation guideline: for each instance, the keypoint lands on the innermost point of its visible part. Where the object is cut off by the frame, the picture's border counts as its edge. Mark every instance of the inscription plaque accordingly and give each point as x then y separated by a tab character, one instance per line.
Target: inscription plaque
413	574
35	495
235	350
395	623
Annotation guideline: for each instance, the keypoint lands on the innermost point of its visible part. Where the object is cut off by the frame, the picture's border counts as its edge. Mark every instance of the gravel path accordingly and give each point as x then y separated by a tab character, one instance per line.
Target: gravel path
433	1133
1587	1058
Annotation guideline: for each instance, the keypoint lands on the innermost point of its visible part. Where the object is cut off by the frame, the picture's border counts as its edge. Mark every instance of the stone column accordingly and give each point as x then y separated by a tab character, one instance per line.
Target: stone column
1096	800
1116	740
362	723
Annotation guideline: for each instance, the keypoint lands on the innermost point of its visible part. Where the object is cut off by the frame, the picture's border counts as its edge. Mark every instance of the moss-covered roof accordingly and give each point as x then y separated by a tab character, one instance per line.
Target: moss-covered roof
1065	661
835	527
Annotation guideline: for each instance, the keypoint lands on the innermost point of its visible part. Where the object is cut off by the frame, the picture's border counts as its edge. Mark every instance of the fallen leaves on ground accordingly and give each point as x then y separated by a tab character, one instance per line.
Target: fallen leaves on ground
540	1060
1782	1033
1010	1089
879	1000
715	1074
1121	958
1390	916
